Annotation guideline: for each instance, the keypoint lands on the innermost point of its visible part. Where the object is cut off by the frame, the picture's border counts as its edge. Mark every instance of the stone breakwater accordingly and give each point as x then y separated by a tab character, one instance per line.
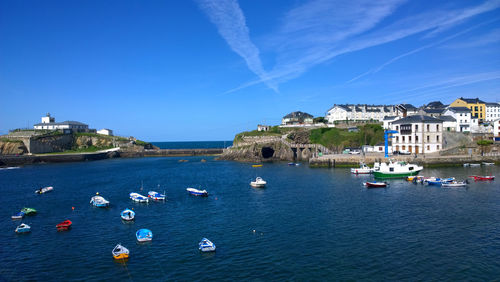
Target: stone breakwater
428	160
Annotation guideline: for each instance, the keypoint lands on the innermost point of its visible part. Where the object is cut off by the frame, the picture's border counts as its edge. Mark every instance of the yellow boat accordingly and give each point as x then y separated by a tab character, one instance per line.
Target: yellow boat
120	252
410	178
257	165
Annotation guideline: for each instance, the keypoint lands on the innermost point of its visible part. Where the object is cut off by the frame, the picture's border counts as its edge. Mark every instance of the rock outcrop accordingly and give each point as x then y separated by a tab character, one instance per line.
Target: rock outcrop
8	147
259	152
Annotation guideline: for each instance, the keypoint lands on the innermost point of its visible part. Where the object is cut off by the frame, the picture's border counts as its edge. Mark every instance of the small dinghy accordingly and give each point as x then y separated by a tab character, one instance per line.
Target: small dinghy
258	183
197	192
293	164
99	201
127	214
44	190
488	164
156	196
23	228
206	245
375	184
120	252
454	184
65	225
483	178
474	165
136	197
144	235
19	215
29	211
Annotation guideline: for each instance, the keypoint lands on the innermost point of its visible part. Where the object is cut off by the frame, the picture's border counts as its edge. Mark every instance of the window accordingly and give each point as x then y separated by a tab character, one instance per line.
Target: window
475	108
437	127
438	147
403	147
403	139
428	128
437	138
428	148
416	138
397	139
428	138
409	139
397	128
416	127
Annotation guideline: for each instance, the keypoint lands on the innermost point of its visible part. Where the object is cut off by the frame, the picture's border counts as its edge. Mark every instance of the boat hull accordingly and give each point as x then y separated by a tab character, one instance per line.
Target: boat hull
121	256
257	185
379	174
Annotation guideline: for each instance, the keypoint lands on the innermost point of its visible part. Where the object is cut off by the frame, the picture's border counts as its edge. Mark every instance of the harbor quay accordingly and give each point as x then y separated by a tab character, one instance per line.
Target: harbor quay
428	160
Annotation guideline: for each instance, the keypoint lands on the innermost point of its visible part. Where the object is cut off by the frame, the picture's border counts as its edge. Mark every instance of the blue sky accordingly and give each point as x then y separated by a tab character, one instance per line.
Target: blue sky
205	70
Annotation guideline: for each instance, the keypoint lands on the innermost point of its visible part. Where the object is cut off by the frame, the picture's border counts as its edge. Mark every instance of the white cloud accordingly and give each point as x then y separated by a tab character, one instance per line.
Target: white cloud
231	24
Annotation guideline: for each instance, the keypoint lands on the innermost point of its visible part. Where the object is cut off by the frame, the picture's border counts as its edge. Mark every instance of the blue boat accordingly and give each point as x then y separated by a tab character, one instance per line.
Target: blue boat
439	181
127	214
23	228
206	245
19	215
144	235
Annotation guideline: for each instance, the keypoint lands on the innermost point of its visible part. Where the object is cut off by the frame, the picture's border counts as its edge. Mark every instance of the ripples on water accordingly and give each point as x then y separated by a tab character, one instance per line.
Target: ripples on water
310	224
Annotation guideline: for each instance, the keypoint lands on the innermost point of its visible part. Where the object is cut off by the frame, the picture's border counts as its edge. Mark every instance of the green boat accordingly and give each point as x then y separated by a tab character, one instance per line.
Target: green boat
29	211
396	170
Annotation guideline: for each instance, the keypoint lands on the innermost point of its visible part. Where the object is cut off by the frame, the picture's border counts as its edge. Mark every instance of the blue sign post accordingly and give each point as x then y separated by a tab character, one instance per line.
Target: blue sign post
386	137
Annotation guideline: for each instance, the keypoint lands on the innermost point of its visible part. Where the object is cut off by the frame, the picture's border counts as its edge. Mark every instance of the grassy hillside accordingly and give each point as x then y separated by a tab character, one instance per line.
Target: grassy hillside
369	134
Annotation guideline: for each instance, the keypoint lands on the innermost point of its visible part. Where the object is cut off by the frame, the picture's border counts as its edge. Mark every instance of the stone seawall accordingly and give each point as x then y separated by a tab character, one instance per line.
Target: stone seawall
354	160
56	158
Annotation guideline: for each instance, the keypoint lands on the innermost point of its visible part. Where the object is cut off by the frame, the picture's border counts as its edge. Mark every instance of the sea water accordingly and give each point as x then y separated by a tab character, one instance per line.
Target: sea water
307	224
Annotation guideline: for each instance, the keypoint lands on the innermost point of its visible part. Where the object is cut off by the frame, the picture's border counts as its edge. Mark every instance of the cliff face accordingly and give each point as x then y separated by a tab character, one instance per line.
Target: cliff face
258	152
12	148
87	141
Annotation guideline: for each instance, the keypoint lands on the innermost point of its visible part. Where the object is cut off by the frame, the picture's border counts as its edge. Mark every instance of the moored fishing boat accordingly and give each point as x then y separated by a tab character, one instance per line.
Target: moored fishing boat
375	184
19	215
120	252
438	181
127	214
257	165
483	178
474	165
136	197
362	169
44	190
197	192
454	184
206	245
65	225
144	235
29	211
99	201
156	196
395	170
23	228
258	183
488	164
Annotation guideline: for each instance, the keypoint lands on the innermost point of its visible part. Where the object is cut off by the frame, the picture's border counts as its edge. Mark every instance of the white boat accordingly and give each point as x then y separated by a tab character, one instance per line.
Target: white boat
23	228
127	214
120	252
44	190
362	169
474	165
487	164
156	196
144	235
99	201
395	169
258	183
466	164
136	197
206	245
197	192
19	215
454	184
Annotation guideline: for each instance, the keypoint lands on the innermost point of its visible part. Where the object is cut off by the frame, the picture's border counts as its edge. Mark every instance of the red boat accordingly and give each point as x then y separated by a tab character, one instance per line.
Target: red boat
65	225
375	184
482	178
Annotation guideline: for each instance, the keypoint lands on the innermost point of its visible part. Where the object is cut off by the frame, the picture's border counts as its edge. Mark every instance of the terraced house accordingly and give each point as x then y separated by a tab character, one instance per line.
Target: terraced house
477	107
359	112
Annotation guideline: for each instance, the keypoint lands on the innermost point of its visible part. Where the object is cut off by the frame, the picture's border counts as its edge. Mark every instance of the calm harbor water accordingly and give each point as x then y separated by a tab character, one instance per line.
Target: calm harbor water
193	144
310	224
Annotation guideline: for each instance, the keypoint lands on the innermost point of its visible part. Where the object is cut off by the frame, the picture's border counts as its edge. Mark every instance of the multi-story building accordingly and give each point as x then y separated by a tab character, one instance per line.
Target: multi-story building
492	112
404	110
359	112
477	107
462	116
496	130
418	134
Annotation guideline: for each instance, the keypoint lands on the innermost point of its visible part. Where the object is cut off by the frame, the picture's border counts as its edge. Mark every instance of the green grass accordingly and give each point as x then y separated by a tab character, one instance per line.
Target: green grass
369	134
91	149
8	140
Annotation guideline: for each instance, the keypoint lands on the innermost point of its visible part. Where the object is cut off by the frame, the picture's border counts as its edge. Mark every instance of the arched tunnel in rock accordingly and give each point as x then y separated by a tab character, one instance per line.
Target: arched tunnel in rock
267	152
